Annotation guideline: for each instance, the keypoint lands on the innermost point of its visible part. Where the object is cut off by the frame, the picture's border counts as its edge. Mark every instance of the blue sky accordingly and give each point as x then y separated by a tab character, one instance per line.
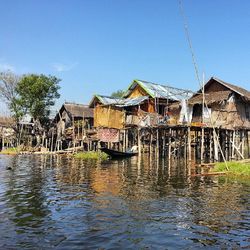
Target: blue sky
99	46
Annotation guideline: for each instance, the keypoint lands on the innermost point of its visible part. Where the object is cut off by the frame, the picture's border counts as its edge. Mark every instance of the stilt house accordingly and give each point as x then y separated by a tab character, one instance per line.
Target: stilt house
7	133
72	119
144	104
226	105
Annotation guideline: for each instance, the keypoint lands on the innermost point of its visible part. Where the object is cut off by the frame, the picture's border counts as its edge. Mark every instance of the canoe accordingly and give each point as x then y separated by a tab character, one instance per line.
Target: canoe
117	154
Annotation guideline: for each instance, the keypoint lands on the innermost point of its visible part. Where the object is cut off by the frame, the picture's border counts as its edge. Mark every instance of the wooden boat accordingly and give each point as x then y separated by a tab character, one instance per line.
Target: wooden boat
117	154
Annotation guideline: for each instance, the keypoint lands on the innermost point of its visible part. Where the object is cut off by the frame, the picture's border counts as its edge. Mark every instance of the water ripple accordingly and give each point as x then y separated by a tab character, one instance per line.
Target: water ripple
58	202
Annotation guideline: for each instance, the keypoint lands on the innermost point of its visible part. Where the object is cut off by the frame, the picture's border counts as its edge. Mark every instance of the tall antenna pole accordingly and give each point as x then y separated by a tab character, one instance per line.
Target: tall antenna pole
198	77
203	97
189	42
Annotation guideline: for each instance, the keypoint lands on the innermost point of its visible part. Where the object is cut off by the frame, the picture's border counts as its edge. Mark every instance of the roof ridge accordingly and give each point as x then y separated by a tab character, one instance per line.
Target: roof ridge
164	85
73	103
111	97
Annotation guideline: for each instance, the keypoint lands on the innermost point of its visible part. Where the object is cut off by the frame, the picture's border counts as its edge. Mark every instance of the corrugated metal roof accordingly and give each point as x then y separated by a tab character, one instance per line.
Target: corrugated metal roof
133	101
160	91
108	100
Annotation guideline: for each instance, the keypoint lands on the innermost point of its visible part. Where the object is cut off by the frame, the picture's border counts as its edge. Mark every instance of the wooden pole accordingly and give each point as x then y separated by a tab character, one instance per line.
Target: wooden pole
126	145
243	143
164	143
73	122
139	142
202	144
233	144
52	141
169	144
189	144
216	152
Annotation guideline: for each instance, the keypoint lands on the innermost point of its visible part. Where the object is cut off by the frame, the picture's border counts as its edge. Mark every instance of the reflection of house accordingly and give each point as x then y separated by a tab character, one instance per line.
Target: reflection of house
73	115
228	105
144	104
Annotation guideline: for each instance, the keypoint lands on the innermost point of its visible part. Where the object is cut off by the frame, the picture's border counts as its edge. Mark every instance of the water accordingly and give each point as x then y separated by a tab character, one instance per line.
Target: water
62	203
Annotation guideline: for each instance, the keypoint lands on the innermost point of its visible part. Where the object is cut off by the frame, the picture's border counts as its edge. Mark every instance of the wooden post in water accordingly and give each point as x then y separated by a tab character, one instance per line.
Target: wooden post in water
139	142
210	146
169	144
202	144
189	144
73	135
164	143
216	152
233	143
150	142
157	143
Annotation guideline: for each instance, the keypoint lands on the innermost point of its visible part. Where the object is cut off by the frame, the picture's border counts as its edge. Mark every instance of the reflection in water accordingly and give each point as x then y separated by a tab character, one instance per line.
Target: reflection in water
54	201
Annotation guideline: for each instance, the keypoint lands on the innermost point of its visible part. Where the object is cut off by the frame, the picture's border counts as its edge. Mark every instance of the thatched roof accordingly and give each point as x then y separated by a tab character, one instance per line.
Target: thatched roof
243	92
6	121
216	96
213	97
76	110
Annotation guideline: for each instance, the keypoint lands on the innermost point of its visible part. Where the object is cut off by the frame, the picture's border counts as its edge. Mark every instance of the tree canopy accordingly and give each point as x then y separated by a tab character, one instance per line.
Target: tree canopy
35	95
119	93
8	84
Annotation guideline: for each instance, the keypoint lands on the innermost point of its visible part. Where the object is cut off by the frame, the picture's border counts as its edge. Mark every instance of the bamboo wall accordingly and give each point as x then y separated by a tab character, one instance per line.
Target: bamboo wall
111	117
138	91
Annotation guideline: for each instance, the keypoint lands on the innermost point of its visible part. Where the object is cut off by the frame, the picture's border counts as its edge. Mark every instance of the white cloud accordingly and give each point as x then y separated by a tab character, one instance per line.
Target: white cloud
61	67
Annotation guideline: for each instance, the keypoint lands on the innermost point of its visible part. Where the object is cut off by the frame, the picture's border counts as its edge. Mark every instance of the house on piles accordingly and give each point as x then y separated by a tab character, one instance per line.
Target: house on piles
226	105
144	104
7	132
73	122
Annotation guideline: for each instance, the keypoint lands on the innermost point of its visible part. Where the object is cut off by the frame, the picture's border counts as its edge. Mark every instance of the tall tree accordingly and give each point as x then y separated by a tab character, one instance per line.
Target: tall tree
8	92
8	84
36	94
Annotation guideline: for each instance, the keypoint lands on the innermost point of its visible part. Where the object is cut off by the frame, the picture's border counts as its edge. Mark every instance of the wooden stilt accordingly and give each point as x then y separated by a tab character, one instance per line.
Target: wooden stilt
202	145
139	142
189	145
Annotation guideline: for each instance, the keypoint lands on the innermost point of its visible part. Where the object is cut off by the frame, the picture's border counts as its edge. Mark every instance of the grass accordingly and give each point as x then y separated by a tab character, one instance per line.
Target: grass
91	155
241	169
9	151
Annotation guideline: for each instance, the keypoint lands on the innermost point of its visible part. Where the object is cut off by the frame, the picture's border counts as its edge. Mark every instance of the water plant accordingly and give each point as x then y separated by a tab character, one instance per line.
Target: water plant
9	151
91	155
241	168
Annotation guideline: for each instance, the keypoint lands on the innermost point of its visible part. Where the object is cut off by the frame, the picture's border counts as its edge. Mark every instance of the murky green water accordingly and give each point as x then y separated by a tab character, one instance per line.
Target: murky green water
60	203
